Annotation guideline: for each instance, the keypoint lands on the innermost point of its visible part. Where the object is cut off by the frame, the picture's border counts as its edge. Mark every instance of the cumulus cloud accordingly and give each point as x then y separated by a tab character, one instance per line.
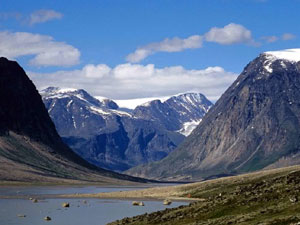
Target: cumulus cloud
126	81
43	48
167	45
230	34
43	15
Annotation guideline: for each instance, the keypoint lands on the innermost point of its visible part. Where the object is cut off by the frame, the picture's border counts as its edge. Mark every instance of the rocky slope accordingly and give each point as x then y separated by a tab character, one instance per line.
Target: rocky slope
30	147
254	125
103	134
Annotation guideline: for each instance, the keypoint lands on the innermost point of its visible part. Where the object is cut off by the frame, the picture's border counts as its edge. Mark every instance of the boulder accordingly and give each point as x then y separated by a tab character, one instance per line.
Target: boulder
141	204
66	205
21	215
135	203
47	218
167	202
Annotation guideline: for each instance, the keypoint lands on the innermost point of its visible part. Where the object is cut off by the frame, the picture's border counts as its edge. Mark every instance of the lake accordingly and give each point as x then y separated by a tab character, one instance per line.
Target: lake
90	211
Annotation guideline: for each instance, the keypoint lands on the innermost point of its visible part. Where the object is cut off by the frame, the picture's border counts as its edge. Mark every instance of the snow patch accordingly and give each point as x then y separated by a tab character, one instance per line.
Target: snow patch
65	90
69	103
74	123
268	63
288	54
133	103
188	127
52	106
121	113
101	98
99	110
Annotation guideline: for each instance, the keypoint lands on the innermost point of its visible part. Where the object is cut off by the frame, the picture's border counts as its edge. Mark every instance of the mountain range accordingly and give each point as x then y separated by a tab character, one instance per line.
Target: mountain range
116	138
254	125
30	148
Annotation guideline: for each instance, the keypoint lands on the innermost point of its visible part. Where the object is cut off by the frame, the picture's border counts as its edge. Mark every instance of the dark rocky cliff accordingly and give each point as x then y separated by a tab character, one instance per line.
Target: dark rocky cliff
29	142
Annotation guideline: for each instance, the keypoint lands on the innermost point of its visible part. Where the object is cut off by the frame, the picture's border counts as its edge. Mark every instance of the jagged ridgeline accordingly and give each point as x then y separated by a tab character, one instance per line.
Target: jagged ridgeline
254	125
117	138
30	147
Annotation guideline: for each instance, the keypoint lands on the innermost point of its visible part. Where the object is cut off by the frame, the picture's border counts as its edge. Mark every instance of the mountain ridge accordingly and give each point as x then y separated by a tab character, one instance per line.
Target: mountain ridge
254	125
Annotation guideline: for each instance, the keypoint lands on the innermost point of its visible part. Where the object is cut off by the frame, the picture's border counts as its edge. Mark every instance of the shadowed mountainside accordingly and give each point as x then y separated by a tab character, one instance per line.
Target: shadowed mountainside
30	147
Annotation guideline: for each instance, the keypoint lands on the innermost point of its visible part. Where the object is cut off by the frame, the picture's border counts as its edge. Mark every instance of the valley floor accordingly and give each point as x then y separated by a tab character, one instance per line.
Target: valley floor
266	197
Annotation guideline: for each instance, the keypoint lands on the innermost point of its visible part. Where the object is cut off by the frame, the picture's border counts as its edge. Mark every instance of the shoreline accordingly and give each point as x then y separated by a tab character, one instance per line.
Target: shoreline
149	191
45	197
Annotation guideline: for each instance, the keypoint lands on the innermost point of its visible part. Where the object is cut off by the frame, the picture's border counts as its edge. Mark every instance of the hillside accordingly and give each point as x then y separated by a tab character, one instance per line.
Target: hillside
266	197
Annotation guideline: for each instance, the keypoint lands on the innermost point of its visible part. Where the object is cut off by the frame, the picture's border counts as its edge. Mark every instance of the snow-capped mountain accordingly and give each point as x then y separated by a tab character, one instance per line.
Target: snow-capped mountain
108	136
180	113
104	135
76	113
254	125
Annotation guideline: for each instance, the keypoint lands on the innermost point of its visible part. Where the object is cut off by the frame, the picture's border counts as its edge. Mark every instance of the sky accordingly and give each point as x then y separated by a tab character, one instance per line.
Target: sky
125	49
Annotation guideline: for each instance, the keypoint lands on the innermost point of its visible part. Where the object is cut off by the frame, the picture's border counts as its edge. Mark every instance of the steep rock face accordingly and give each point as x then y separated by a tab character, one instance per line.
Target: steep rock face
254	125
104	135
175	111
30	147
21	108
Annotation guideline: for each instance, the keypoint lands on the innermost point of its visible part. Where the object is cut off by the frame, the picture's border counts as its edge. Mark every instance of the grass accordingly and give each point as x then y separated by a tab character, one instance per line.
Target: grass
264	198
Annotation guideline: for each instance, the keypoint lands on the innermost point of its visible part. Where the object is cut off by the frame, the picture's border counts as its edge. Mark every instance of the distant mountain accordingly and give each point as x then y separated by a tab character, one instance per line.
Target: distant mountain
103	134
30	147
254	125
178	113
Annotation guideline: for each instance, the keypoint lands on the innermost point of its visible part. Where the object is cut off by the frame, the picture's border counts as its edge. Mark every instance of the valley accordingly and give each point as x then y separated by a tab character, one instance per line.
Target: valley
135	112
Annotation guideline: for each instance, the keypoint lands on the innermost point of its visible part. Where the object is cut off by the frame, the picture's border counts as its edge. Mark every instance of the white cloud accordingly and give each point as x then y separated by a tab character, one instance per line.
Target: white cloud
45	51
128	81
270	39
43	15
230	34
167	45
96	71
288	36
283	37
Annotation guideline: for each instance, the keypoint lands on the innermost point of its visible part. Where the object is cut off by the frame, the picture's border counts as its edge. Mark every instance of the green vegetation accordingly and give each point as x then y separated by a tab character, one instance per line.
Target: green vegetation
268	197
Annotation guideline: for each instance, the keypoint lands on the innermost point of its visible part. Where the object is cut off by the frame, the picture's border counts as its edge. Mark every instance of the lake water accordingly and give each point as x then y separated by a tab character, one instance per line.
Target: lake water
81	212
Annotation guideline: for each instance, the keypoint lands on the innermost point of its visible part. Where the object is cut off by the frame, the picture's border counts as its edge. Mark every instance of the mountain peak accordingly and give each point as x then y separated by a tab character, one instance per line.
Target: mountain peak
190	97
79	94
287	54
176	112
62	92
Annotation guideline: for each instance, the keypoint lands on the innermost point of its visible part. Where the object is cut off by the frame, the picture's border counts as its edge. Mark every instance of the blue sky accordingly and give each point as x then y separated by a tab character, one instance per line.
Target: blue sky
90	42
